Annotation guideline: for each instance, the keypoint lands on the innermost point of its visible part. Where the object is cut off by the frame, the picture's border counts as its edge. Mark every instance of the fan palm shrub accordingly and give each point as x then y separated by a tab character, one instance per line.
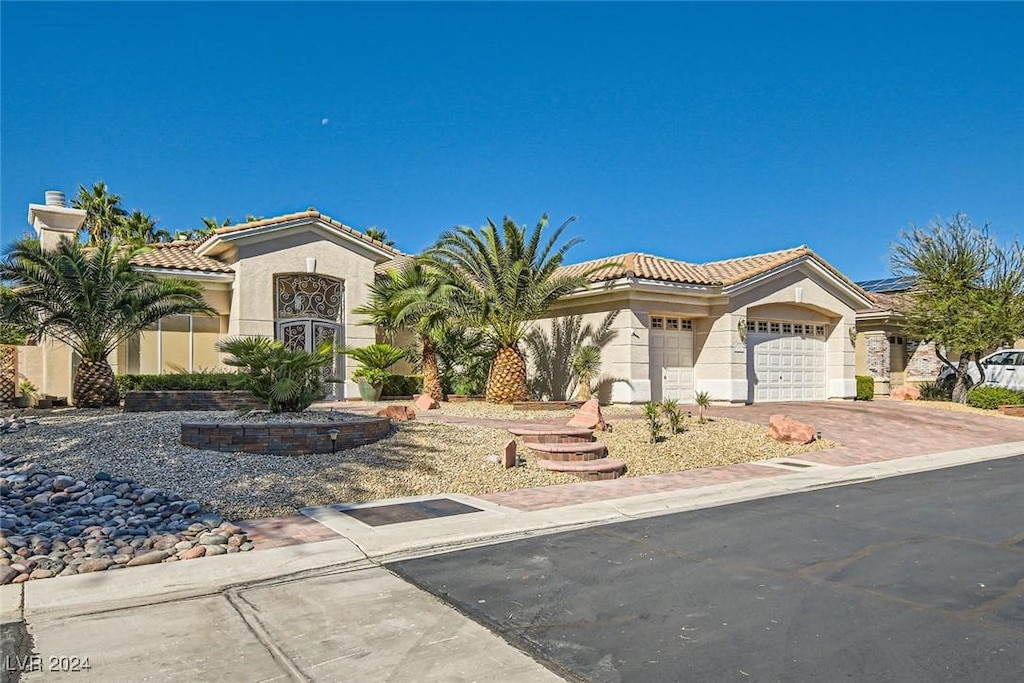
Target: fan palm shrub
506	279
91	299
376	361
413	298
286	380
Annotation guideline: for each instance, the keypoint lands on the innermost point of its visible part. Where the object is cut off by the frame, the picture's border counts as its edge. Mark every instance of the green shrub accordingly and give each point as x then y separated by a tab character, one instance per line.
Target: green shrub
286	380
936	391
179	381
403	385
865	388
990	398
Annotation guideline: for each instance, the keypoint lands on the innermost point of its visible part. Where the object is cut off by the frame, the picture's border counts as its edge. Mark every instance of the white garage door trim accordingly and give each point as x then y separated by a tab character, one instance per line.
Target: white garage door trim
786	361
671	358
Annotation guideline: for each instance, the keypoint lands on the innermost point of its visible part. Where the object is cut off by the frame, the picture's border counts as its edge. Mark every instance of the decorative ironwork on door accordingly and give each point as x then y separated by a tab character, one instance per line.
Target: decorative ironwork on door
309	310
309	296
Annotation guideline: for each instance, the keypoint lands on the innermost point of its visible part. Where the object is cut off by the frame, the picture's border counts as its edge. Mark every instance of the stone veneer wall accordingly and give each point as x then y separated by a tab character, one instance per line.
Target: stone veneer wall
922	363
155	401
282	438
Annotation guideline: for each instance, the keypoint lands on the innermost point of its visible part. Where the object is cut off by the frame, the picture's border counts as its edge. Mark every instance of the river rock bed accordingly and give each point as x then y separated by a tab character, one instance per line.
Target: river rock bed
53	524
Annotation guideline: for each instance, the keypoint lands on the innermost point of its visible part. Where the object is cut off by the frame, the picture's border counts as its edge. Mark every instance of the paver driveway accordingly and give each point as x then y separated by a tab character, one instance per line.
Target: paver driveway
912	578
869	431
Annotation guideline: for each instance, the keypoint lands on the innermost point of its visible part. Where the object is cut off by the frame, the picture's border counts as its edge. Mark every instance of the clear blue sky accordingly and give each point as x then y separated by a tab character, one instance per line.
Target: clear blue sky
687	130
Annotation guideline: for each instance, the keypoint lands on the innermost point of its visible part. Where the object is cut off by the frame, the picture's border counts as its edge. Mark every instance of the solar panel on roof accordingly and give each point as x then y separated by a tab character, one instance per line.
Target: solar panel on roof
887	285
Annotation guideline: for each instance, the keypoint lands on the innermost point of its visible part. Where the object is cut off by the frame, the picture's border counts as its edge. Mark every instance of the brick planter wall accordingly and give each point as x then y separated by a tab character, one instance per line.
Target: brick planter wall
282	438
155	401
1015	411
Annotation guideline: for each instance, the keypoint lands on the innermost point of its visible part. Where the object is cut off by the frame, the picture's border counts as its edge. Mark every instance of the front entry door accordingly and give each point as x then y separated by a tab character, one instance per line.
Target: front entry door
306	335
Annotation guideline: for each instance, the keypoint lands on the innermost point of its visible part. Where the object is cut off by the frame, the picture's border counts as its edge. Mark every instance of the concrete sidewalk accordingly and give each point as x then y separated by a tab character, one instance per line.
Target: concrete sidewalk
326	610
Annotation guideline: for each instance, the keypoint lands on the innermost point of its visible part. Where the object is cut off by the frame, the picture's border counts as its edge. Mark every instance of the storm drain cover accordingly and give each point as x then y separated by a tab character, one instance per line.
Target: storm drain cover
381	515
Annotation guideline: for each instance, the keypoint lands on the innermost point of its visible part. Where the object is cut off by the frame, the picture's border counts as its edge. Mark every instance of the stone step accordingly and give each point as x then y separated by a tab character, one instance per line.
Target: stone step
590	470
555	434
570	452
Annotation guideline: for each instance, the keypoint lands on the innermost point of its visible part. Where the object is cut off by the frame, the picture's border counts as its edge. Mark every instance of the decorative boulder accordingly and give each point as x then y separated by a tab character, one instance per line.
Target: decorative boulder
787	430
589	416
398	413
426	402
908	392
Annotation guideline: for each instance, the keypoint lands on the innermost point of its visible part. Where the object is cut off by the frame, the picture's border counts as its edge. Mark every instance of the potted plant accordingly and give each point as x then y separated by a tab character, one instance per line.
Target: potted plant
376	361
28	392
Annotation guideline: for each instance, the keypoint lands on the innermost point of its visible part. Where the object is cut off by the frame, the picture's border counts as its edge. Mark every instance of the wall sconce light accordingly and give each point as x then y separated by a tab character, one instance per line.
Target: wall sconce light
741	327
333	433
853	335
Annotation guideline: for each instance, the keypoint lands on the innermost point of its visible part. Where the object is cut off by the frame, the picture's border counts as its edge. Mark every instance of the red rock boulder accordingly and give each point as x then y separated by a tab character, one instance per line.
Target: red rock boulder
787	430
908	392
589	416
426	402
397	413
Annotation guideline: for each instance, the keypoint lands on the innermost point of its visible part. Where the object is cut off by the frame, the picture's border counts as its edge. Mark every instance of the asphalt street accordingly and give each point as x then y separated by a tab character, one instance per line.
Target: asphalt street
913	578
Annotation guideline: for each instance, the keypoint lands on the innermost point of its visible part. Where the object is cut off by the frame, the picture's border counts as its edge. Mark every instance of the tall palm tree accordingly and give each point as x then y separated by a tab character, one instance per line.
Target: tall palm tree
140	228
91	299
413	298
506	280
103	212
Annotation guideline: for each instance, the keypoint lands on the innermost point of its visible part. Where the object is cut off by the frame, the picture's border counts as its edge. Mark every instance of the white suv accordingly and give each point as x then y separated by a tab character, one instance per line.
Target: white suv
1002	369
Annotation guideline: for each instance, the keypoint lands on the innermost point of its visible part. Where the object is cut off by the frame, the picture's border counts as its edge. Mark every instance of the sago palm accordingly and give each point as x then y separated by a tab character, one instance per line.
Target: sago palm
506	279
414	299
91	299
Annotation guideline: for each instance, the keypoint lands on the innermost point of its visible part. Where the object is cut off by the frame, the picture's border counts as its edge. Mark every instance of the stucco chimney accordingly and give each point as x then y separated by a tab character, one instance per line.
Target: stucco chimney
53	220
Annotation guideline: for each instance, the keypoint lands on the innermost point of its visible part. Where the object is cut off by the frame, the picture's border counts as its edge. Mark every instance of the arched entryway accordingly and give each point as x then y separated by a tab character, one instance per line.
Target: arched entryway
308	311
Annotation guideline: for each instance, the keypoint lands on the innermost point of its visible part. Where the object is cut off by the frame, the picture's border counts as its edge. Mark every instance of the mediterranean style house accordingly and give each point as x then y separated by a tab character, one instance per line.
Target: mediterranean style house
771	327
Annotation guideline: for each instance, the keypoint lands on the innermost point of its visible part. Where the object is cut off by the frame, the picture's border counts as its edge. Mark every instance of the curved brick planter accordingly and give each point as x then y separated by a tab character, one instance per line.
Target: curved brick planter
282	438
154	401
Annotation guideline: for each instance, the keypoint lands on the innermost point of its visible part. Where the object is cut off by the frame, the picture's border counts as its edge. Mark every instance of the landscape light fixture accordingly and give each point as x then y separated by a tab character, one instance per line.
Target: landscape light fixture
333	433
817	435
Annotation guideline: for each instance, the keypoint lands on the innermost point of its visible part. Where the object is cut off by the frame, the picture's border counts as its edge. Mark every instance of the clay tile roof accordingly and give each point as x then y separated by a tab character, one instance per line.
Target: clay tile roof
649	267
179	255
716	273
732	271
308	213
394	264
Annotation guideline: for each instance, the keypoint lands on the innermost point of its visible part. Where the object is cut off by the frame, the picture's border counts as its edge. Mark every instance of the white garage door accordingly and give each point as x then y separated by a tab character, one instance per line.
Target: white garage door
785	361
671	359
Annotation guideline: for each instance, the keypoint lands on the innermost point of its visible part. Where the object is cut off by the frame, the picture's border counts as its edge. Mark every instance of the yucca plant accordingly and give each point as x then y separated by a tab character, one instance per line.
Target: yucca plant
670	409
652	413
288	381
703	401
91	299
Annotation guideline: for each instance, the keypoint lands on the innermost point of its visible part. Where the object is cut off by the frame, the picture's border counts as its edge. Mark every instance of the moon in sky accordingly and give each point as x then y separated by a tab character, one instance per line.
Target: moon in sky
324	121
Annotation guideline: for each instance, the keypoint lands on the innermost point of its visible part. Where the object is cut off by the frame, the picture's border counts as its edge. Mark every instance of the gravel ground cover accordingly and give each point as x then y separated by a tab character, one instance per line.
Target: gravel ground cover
420	457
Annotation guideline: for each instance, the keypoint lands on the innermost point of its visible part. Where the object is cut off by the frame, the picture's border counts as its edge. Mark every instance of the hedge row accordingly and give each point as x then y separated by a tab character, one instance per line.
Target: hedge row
182	381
